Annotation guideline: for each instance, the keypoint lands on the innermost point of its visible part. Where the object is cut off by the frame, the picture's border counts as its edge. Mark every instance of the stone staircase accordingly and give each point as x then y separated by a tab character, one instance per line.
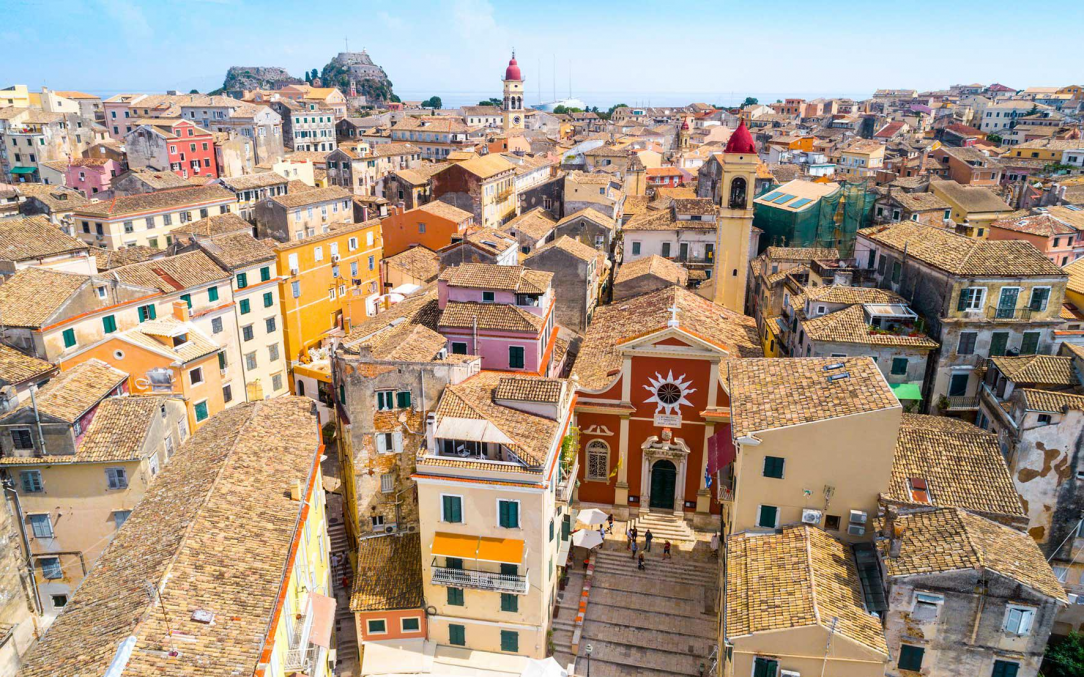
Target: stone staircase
665	526
346	640
660	622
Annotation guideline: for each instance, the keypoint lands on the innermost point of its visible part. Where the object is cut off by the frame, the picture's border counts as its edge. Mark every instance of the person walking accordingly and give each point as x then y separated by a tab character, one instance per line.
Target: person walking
640	563
628	538
634	549
647	540
666	549
610	519
635	533
715	544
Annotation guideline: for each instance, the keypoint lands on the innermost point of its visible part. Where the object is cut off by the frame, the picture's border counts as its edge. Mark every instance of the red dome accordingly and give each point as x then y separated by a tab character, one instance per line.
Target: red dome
685	123
741	141
512	72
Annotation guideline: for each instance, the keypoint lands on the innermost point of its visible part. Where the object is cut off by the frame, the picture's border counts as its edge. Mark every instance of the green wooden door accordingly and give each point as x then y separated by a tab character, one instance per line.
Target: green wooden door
663	477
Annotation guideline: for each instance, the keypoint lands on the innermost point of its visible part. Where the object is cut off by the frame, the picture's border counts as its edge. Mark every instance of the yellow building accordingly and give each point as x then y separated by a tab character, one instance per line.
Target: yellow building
187	592
733	235
16	96
815	440
75	487
861	159
320	279
1047	150
974	208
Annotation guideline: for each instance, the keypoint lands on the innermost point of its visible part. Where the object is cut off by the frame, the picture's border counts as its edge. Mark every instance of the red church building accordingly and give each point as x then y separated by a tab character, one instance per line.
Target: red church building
651	375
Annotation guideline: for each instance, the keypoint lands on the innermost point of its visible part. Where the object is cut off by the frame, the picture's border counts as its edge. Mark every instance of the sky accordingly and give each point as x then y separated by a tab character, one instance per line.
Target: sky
635	52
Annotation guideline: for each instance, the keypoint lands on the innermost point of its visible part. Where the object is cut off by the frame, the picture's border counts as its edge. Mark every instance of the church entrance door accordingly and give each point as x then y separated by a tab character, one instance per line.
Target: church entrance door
663	478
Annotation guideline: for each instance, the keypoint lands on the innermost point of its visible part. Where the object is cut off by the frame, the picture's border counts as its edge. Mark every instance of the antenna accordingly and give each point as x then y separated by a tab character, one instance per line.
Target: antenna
347	41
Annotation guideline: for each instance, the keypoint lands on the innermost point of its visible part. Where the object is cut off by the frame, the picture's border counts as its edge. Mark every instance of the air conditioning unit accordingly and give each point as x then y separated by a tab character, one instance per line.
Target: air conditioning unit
789	673
856	530
389	529
857	517
335	258
294	271
811	516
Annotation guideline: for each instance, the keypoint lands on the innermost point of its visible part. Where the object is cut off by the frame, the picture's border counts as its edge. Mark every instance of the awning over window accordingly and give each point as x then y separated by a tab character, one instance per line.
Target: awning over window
471	429
483	548
23	170
906	391
323	618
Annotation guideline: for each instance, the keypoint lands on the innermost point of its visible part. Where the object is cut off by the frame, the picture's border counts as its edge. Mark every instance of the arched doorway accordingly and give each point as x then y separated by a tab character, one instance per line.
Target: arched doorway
663	479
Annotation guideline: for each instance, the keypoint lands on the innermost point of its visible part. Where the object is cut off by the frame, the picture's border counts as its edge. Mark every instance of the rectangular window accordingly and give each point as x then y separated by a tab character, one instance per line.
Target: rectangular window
967	343
509	602
242	280
250	361
246	306
509	640
508	514
1005	669
295	289
897	270
41	525
998	341
385	400
247	332
146	312
410	624
50	568
69	338
459	348
402	399
270	325
21	439
451	509
268	299
765	667
116	478
768	516
201	410
1018	620
387	483
30	480
773	467
455	596
216	325
1030	343
515	357
1039	298
377	626
899	365
635	248
109	323
910	657
457	634
488	297
212	294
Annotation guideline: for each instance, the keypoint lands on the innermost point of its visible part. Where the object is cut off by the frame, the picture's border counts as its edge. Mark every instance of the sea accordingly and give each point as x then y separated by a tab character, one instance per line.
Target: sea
604	99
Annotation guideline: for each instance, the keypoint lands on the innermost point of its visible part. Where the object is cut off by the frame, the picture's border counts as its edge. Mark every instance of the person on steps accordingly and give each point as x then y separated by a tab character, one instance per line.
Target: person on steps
647	540
640	563
666	550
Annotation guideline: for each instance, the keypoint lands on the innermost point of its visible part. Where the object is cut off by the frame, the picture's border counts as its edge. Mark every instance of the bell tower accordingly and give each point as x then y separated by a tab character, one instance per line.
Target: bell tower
683	135
513	96
735	221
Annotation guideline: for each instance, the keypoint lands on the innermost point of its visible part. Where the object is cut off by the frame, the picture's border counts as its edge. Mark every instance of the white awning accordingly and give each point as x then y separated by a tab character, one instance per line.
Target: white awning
470	429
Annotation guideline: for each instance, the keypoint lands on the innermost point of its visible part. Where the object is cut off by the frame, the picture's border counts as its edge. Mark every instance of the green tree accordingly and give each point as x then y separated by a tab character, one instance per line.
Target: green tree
433	102
313	75
491	102
194	91
1064	658
749	101
1033	110
560	110
993	138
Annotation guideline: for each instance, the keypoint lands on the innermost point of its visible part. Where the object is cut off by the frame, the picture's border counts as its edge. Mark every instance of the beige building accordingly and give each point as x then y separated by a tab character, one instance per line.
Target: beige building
73	497
295	216
815	439
973	208
493	493
794	606
147	219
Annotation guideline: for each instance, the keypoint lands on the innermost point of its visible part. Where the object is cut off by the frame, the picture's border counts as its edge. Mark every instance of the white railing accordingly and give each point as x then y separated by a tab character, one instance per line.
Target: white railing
300	659
480	580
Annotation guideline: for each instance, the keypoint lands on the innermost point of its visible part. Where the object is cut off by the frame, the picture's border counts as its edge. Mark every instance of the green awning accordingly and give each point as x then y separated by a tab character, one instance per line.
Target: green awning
23	170
906	391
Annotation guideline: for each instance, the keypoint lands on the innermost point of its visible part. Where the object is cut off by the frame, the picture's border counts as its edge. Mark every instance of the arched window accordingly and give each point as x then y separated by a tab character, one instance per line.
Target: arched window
598	460
737	193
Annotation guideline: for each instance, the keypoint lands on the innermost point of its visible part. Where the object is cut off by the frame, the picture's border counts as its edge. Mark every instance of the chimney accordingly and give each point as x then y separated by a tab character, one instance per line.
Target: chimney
180	311
894	531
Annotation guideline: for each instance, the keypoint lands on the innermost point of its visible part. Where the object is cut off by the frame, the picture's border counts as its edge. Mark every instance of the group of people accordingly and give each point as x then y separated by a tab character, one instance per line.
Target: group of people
632	534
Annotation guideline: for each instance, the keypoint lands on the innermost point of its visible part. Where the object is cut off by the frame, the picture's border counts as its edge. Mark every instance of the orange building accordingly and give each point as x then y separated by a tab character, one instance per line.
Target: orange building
432	225
167	355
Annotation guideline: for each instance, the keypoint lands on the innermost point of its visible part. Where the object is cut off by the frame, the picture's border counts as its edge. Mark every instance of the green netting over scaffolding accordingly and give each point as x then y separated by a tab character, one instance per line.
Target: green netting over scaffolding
830	221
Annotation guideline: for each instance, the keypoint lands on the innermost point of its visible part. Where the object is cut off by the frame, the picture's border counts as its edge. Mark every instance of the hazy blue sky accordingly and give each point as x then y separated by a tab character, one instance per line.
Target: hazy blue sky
630	49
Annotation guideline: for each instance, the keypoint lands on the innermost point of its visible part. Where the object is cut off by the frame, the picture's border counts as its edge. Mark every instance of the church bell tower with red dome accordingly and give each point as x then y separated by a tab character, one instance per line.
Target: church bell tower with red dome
734	244
513	96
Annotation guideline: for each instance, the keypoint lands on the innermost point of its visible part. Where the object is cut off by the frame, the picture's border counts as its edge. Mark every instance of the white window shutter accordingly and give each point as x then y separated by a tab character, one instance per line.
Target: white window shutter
397	441
381	445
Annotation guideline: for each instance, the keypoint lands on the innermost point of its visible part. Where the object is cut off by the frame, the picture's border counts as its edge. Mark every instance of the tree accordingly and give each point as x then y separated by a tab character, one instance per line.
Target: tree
194	91
1064	658
491	102
433	102
749	101
1034	109
313	75
993	138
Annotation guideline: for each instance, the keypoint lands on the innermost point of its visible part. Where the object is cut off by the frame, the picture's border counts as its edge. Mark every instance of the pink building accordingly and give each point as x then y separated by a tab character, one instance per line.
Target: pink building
92	175
1059	241
504	314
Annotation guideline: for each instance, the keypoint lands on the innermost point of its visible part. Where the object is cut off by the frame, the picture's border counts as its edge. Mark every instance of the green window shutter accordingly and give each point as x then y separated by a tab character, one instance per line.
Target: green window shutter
402	399
1005	669
962	304
509	640
457	635
509	514
515	357
69	338
268	299
453	509
899	365
242	280
997	343
551	530
187	298
455	596
109	323
265	274
222	360
1030	344
201	411
246	306
453	563
910	657
212	293
773	467
765	667
509	602
768	515
411	624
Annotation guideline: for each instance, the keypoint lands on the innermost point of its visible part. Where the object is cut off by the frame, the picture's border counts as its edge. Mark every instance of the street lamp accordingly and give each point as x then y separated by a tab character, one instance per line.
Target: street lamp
588	651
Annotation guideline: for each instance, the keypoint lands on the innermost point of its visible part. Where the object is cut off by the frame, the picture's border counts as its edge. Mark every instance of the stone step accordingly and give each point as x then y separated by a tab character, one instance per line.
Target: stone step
646	584
653	576
564	657
648	638
702	626
601	668
562	639
656	568
672	563
564	624
634	659
639	602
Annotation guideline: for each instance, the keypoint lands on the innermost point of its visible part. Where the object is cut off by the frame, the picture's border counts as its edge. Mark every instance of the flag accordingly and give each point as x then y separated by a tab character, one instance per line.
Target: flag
613	473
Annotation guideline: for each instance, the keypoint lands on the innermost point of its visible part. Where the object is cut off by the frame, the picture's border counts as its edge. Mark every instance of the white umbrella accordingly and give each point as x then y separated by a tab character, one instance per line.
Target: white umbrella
548	667
587	538
592	517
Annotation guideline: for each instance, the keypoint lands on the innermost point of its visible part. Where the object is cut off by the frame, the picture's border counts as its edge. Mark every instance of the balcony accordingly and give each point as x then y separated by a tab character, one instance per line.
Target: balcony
726	490
480	580
567	484
300	660
961	403
999	313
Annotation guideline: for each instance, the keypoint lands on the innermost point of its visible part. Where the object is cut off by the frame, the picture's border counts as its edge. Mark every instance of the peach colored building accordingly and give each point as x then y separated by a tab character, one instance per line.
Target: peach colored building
1052	236
433	225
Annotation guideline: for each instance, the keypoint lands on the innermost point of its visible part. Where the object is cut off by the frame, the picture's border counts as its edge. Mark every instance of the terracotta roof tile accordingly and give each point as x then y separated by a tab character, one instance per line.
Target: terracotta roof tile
33	295
1050	370
159	200
491	316
73	392
389	574
17	368
492	276
34	238
654	265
